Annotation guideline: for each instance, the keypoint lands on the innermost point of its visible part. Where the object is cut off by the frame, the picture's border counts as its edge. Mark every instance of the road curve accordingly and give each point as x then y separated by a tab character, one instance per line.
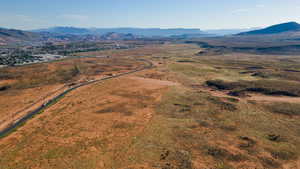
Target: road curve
44	106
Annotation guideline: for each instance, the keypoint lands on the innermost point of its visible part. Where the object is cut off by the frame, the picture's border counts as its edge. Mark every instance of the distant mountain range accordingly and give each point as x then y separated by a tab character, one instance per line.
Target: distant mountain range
13	37
223	32
147	32
290	30
288	27
64	30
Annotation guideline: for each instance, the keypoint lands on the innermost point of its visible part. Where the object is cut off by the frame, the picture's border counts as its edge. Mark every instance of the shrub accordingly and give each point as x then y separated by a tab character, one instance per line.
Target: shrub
221	85
269	162
283	154
217	152
223	105
3	88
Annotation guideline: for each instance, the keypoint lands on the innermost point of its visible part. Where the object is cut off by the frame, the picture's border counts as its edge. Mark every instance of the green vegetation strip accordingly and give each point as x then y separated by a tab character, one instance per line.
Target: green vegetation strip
268	87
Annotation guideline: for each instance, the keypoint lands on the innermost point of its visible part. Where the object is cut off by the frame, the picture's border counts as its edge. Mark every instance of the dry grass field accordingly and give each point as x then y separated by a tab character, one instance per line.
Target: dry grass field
23	86
231	111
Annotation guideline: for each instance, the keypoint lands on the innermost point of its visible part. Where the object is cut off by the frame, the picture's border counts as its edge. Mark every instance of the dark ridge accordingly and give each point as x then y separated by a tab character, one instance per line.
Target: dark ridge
280	28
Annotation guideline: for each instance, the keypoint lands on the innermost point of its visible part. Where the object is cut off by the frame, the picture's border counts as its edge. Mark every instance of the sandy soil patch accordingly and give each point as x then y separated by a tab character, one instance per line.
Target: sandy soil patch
152	83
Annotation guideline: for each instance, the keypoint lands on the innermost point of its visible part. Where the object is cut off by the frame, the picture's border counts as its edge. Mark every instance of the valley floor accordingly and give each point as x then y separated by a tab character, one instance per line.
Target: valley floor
168	116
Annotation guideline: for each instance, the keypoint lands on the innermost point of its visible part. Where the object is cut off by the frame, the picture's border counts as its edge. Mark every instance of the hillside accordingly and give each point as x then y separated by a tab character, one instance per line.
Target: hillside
275	29
13	36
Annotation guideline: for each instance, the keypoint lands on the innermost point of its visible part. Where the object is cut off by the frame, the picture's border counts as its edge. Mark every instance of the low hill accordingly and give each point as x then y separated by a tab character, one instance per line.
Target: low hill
8	36
275	29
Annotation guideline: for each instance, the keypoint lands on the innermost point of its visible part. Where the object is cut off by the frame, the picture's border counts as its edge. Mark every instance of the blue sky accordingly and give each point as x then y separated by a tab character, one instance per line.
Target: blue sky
203	14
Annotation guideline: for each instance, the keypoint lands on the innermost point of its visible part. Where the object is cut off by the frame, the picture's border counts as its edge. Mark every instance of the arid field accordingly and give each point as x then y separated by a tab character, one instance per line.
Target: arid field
189	111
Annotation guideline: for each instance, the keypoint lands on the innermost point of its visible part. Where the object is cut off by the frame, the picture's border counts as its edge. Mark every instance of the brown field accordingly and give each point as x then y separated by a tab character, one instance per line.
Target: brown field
168	117
37	83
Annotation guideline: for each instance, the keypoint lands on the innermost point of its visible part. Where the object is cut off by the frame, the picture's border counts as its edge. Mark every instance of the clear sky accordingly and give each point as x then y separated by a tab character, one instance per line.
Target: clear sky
203	14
